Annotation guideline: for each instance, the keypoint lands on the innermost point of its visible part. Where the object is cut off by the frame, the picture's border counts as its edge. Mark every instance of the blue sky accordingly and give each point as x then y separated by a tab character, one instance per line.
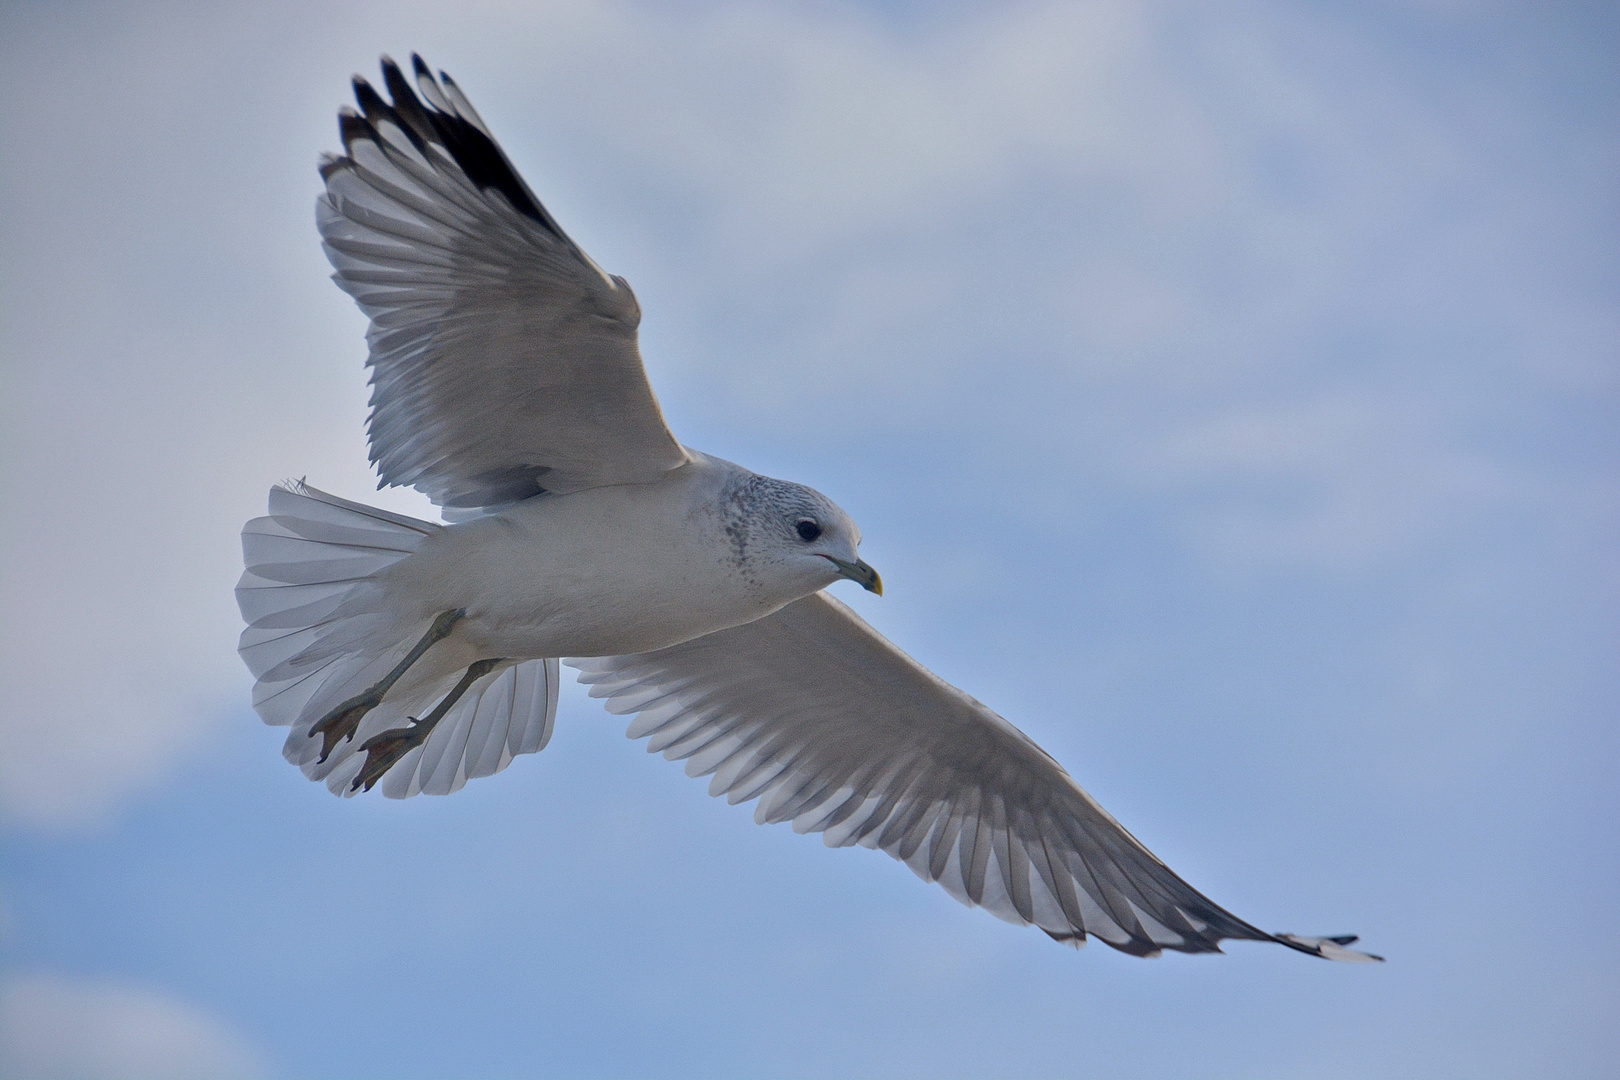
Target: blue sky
1226	393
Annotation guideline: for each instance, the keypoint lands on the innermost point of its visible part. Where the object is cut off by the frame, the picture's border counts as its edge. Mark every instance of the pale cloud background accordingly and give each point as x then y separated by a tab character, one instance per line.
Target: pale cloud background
1227	393
54	1028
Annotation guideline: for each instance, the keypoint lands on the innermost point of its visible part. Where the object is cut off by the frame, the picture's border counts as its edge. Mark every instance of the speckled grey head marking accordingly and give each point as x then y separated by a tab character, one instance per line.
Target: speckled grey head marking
756	504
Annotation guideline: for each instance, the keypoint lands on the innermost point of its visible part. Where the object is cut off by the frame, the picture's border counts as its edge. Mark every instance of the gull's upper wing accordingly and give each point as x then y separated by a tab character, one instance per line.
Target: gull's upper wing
504	361
828	725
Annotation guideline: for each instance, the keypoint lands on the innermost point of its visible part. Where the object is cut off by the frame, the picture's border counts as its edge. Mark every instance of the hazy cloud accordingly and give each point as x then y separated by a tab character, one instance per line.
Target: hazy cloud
59	1028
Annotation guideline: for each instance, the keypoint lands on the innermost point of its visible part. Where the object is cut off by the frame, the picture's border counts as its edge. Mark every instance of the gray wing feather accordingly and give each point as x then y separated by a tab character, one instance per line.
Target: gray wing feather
504	361
826	724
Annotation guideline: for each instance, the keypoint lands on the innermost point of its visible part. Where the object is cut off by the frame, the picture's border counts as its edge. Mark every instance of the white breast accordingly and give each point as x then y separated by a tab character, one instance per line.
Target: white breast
606	571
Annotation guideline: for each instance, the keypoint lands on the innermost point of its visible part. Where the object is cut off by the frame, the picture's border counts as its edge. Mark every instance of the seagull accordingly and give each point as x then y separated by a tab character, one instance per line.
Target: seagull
689	592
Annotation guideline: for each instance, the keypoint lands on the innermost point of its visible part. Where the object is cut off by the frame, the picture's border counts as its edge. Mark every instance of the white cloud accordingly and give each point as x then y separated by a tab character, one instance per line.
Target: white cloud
58	1028
1333	481
802	128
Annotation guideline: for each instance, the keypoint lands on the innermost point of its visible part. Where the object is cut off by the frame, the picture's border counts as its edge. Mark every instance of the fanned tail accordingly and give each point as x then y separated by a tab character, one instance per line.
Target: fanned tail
321	629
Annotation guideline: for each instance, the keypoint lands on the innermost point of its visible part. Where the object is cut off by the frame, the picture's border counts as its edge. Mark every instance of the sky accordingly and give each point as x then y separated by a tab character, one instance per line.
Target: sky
1227	394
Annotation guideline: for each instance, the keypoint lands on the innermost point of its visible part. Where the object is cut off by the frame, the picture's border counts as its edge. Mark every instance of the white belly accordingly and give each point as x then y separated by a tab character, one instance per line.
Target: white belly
602	572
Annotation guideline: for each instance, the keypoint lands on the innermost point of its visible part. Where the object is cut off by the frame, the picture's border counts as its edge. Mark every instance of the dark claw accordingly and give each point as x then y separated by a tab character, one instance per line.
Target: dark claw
384	750
342	722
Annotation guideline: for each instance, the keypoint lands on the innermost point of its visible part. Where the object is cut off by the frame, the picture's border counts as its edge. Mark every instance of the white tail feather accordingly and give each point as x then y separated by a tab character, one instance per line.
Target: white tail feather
321	630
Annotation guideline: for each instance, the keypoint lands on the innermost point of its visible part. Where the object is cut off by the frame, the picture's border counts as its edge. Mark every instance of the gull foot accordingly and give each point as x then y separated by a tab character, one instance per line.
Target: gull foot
384	750
341	722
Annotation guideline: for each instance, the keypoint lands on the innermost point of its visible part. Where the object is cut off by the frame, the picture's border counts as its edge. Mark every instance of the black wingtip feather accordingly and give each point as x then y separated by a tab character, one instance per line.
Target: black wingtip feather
477	154
406	104
352	126
436	120
370	102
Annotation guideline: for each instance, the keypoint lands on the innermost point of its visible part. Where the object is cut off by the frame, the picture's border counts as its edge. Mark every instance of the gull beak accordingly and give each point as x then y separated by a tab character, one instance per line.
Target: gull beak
858	572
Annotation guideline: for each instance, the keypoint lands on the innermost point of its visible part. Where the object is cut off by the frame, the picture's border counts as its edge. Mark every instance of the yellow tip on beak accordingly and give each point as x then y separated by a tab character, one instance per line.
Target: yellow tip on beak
860	573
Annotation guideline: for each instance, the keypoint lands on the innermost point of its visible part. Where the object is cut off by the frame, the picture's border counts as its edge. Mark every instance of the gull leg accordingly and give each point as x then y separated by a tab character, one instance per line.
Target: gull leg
341	722
386	748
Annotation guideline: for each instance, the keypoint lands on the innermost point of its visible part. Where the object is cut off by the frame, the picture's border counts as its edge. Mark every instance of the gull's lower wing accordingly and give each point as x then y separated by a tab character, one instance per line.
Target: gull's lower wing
831	727
504	361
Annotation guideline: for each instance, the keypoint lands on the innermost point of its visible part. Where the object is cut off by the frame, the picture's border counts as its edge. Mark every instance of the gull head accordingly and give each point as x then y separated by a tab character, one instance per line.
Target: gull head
793	538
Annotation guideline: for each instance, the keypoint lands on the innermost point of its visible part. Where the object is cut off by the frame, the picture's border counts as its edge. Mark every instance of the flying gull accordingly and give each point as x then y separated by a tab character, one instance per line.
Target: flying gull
689	592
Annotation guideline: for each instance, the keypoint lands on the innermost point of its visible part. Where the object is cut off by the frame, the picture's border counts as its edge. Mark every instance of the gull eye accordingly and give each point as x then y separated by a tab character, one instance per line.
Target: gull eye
808	530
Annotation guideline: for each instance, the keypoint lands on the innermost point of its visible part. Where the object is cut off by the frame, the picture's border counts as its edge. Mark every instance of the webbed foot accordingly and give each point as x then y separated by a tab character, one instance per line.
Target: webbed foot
342	722
384	750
